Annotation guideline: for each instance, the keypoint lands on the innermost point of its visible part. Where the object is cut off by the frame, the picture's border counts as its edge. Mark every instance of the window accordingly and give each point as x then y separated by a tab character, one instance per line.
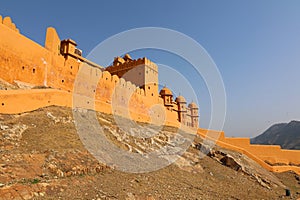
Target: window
33	70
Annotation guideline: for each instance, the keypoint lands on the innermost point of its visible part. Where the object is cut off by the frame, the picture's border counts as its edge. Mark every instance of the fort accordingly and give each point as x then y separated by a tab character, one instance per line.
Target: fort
56	72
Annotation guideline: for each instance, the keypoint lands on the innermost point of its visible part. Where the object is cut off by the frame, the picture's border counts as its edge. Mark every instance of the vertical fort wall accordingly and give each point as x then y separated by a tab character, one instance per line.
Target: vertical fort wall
20	57
23	60
272	154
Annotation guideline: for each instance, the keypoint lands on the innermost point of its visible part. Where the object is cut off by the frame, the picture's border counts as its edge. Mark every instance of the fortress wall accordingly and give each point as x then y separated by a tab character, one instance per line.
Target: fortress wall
270	153
240	142
34	64
213	134
18	101
273	153
62	74
245	152
172	118
8	22
293	156
258	153
286	168
21	58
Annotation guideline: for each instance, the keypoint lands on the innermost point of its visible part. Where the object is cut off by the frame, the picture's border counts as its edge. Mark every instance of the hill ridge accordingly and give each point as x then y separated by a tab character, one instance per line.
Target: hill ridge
287	135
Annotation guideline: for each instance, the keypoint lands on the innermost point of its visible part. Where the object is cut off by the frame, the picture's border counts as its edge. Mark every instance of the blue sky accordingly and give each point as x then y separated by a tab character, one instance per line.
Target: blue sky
255	44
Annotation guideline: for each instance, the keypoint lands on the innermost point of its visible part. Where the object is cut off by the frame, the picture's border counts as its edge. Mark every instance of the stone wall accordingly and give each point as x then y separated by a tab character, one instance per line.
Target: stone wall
262	154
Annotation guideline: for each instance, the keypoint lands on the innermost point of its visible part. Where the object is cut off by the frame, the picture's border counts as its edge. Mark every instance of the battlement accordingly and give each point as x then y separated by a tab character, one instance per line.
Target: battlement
123	64
8	22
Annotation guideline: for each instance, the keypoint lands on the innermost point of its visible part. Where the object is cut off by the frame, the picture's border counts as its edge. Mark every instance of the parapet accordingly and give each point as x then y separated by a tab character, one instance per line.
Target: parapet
8	22
126	62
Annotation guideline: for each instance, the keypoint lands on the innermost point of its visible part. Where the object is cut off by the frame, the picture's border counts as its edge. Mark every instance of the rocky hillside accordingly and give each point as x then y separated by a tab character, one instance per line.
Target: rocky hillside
42	157
287	135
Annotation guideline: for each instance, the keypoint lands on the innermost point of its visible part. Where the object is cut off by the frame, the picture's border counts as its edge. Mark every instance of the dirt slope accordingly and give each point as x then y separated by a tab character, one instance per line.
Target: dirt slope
42	157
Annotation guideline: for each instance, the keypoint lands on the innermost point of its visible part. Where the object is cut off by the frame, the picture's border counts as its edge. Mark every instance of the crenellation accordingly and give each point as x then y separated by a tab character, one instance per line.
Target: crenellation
8	22
115	79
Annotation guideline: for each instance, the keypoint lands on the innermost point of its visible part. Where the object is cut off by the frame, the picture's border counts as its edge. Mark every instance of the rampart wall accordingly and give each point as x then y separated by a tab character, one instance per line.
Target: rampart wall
23	60
262	154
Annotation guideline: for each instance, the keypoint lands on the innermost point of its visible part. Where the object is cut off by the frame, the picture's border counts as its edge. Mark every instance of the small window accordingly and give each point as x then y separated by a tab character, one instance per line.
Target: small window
62	81
2	104
33	70
149	87
23	67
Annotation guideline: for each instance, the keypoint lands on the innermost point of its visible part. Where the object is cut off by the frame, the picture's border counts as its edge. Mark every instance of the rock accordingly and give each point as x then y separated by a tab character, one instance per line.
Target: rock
229	161
42	194
1	184
4	127
130	196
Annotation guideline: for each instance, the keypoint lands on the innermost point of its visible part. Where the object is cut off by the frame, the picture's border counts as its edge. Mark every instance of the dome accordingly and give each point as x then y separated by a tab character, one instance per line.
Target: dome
193	105
165	92
180	99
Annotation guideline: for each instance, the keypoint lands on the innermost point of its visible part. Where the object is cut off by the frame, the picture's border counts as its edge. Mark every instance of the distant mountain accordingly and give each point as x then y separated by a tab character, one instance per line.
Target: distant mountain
287	135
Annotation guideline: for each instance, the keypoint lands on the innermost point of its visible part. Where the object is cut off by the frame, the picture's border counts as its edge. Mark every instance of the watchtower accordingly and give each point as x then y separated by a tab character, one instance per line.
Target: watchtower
182	111
194	111
141	72
167	96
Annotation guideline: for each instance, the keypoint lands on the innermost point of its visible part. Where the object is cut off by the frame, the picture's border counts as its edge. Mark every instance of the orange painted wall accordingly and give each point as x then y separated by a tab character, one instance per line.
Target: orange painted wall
259	153
19	61
45	66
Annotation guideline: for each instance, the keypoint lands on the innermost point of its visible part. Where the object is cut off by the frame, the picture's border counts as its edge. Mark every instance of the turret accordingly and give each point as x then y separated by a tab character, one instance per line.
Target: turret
194	115
167	96
182	111
68	47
